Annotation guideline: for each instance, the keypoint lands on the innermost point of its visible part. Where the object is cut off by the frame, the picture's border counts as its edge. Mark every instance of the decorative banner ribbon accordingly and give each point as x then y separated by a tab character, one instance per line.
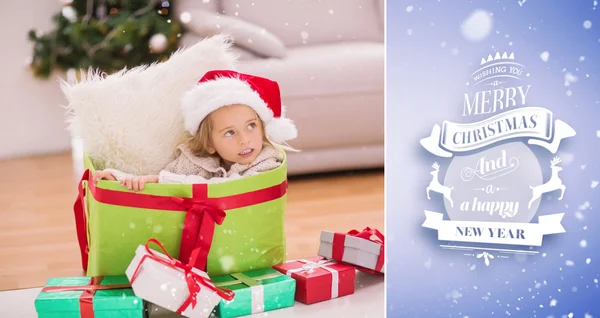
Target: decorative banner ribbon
86	300
528	234
193	279
309	267
205	212
339	241
534	123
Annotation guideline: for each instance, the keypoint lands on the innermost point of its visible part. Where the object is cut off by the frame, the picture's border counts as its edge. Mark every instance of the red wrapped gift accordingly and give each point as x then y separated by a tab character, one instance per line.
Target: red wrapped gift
319	279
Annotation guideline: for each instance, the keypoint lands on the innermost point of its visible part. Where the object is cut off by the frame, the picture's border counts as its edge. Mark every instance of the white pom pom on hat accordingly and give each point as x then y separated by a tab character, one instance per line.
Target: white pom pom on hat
220	88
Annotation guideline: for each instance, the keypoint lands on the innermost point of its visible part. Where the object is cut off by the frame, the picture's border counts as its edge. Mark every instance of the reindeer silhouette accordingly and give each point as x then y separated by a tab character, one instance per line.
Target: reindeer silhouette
436	186
552	185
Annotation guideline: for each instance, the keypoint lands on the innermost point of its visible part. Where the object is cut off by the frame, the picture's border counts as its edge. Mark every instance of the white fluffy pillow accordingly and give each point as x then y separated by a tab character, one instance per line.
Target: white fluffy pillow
131	120
245	34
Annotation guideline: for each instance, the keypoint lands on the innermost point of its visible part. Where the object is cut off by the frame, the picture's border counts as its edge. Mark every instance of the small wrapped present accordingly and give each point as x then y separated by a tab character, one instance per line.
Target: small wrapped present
319	279
88	297
357	248
167	282
255	291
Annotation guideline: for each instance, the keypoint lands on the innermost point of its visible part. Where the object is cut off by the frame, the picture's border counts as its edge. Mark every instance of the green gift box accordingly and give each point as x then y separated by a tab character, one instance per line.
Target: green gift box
113	221
255	291
98	297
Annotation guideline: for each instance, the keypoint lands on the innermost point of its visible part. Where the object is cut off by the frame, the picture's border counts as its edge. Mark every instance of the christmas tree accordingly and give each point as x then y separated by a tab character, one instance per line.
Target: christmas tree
107	35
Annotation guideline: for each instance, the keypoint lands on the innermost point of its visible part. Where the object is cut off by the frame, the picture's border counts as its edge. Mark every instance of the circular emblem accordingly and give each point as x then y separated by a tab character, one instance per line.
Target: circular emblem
494	185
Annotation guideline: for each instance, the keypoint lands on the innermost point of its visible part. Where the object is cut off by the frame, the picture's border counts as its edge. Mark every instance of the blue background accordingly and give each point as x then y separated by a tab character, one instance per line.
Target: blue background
428	64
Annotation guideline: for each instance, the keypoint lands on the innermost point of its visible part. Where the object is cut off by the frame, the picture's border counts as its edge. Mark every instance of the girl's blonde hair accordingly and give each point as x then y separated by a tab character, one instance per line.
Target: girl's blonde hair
199	143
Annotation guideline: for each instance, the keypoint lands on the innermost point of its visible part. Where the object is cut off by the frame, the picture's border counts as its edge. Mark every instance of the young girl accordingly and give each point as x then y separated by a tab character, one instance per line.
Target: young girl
234	121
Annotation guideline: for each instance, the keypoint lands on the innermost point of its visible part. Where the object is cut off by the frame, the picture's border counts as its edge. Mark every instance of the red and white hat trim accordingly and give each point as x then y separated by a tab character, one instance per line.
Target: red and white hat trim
224	87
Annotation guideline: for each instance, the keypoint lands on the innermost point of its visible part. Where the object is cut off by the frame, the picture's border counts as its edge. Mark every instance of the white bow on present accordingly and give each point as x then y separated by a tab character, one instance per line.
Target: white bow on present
309	267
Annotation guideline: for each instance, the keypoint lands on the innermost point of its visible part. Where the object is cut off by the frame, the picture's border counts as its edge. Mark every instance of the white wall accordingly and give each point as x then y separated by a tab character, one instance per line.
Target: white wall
31	113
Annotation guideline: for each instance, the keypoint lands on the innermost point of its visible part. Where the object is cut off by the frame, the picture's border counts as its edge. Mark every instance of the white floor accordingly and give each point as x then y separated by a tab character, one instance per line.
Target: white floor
366	302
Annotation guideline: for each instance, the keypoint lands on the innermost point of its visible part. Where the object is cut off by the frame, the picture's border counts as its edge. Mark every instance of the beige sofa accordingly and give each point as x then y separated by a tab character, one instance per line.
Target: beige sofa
328	57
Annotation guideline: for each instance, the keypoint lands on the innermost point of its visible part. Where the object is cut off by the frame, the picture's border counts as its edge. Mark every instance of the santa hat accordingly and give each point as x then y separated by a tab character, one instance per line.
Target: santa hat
220	88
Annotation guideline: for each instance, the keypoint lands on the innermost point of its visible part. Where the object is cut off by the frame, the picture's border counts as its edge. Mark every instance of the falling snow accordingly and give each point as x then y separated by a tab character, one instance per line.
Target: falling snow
584	206
587	24
588	260
553	302
569	263
570	78
227	263
185	17
477	26
409	9
544	56
583	243
428	263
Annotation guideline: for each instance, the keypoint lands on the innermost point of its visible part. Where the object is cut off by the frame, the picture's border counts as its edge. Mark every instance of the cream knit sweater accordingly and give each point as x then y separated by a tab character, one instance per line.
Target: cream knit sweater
188	168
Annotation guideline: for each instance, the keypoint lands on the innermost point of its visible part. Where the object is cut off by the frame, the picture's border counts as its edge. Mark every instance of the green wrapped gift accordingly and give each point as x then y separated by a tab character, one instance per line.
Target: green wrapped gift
98	297
239	223
255	291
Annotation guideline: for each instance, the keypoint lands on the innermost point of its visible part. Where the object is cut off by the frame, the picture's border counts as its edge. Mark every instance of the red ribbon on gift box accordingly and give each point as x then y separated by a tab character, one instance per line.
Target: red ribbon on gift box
198	230
202	213
339	240
86	300
193	280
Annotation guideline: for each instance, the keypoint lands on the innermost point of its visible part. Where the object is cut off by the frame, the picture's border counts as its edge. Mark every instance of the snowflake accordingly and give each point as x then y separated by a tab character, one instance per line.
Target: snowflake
544	56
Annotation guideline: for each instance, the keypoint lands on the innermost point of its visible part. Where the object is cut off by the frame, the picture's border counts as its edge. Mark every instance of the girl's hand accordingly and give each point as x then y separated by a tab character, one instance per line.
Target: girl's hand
103	175
137	183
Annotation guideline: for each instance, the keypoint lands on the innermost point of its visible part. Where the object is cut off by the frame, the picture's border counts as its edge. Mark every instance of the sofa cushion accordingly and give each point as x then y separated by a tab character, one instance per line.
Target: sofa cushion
185	6
311	21
245	34
321	70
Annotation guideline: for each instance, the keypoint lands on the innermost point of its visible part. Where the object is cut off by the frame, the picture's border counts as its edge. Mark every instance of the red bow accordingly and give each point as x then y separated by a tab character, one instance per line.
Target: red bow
194	280
367	233
198	230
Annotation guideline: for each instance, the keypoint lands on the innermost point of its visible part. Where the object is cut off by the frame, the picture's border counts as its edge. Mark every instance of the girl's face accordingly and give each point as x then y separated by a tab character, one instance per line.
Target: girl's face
236	134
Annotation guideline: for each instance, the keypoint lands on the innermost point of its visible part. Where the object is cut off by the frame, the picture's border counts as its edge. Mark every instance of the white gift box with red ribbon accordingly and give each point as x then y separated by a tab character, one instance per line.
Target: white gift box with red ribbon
172	285
353	249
